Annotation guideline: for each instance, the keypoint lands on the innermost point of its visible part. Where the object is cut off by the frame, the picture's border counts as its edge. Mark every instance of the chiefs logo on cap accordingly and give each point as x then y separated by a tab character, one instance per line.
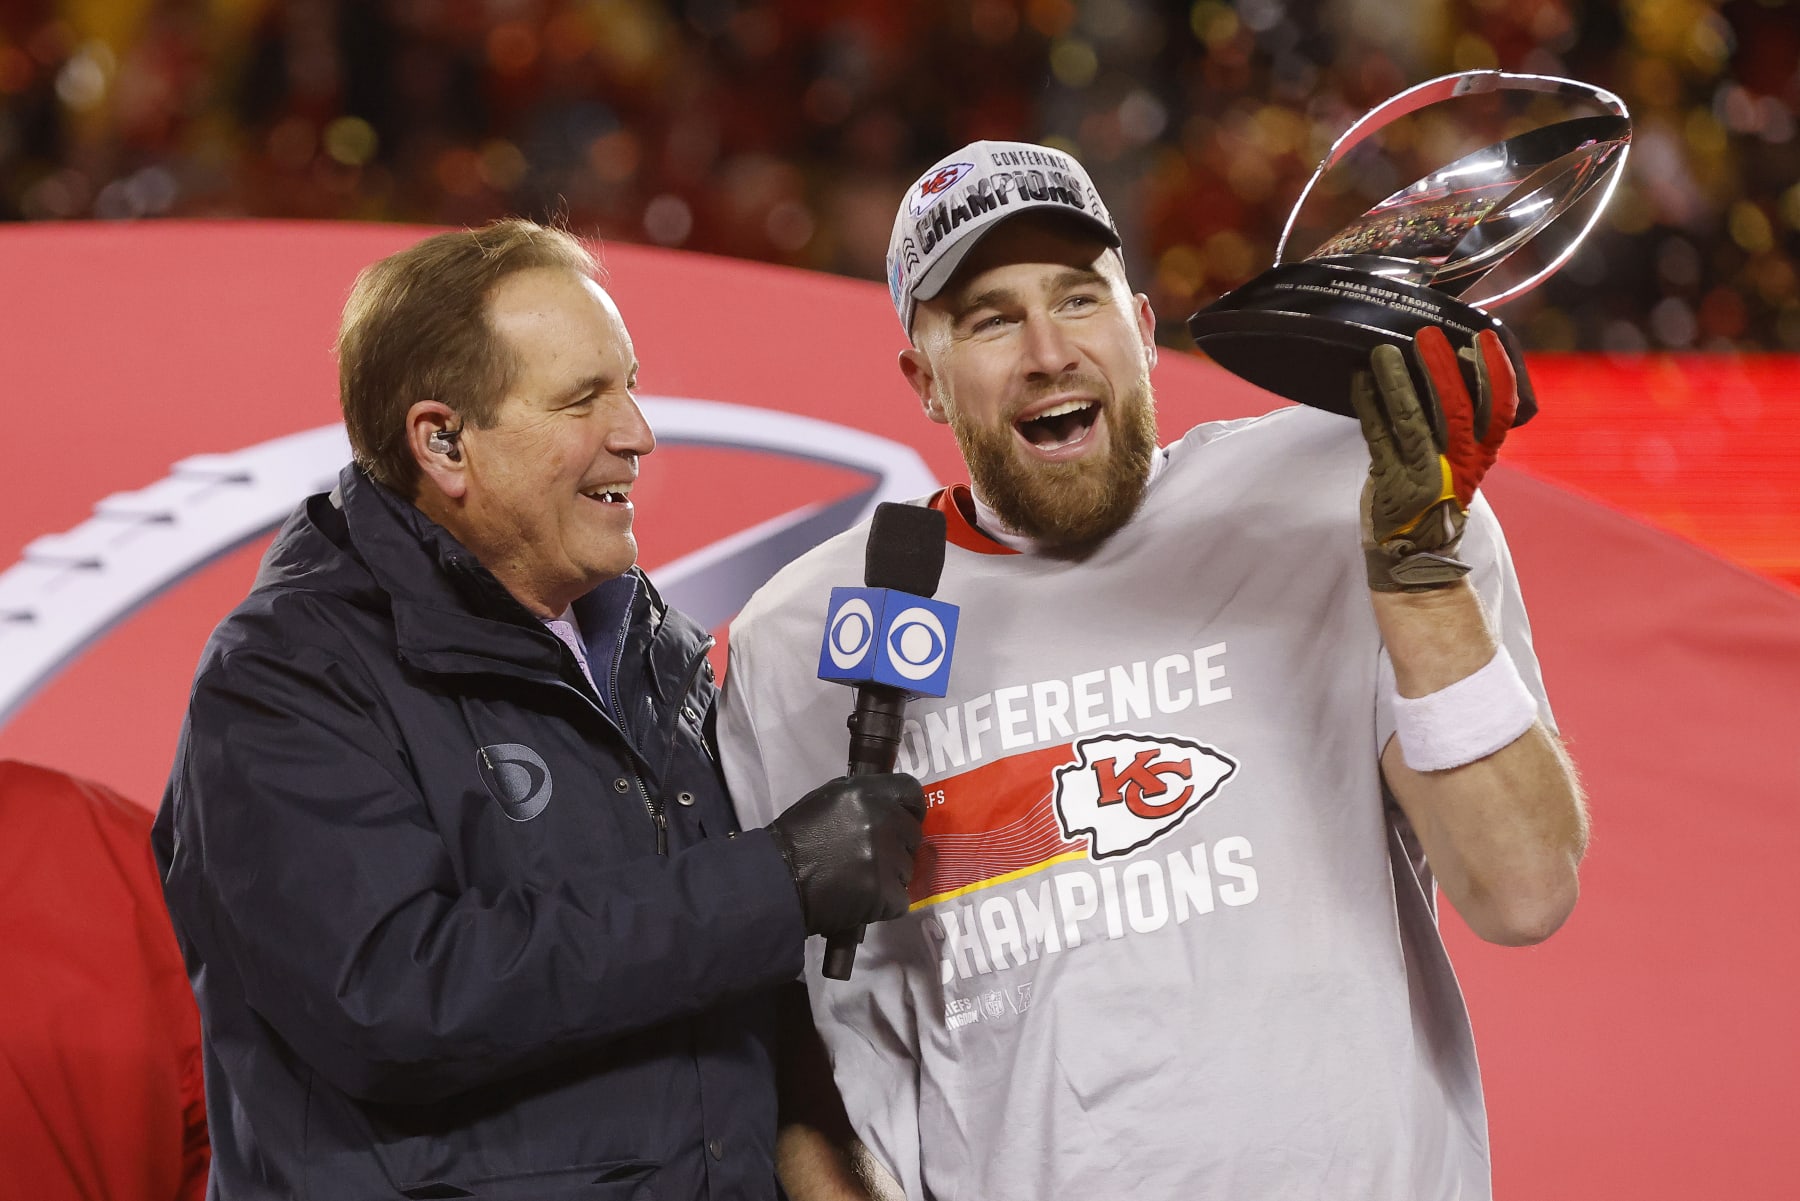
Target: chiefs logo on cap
1125	791
935	185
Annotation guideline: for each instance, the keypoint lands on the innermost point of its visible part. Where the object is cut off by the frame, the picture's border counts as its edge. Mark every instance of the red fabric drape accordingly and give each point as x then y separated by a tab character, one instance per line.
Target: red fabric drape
100	1080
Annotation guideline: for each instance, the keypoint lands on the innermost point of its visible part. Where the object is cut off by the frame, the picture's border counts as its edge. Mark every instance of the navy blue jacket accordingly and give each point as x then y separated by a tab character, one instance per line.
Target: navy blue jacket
456	932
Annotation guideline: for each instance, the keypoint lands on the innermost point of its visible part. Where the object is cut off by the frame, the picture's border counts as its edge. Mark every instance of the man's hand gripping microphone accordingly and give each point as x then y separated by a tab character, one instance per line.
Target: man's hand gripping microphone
890	642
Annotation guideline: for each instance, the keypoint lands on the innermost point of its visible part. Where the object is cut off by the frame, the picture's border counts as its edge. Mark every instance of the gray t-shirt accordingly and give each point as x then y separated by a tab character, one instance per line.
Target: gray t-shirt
1168	940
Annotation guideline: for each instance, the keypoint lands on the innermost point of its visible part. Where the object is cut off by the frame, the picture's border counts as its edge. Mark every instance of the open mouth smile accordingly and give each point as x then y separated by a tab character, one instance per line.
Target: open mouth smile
1062	430
611	494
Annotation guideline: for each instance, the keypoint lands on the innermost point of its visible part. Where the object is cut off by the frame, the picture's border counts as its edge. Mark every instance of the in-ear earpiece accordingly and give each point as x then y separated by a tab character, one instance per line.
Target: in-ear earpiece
443	442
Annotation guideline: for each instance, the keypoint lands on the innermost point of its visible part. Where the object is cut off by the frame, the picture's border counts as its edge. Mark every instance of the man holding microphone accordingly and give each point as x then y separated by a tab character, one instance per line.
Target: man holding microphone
446	844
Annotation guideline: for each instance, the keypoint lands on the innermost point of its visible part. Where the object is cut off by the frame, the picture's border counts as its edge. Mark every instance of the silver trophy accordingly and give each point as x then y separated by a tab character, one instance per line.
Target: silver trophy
1427	253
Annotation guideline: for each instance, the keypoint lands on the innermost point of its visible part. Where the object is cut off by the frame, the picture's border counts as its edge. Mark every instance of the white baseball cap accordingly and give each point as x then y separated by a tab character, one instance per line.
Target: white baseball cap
964	195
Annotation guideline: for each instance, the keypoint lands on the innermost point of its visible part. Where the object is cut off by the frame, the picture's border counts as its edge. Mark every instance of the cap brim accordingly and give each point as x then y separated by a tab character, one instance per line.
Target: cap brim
950	257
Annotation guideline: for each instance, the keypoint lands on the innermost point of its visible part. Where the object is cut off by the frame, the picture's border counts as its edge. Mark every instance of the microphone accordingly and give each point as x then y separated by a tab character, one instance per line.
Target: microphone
890	642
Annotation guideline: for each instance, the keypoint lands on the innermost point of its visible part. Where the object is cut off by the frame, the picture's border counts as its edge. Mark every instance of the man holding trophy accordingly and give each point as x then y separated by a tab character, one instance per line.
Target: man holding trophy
1224	717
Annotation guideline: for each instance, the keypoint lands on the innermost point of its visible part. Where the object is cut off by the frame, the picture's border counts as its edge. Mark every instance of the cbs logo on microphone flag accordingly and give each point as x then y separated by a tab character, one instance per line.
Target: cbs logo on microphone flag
894	639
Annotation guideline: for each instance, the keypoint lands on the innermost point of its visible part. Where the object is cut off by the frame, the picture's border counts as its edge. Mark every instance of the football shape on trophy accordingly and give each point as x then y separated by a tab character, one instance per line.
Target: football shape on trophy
1427	253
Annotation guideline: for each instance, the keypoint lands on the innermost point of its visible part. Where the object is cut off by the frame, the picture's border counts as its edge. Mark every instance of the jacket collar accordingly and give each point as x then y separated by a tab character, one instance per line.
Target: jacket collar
451	616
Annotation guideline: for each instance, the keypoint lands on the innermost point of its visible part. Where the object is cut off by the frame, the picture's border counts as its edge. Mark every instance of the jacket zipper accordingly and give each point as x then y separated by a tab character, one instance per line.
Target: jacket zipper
651	807
657	816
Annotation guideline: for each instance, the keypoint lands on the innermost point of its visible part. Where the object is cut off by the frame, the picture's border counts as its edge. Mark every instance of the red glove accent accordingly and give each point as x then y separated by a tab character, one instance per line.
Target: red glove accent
1474	427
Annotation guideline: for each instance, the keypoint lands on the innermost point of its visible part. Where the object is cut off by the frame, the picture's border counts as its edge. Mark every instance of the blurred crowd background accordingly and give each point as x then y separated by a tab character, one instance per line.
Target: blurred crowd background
785	130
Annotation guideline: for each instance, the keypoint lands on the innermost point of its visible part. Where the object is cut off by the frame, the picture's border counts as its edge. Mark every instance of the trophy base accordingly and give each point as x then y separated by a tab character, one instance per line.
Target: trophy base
1301	330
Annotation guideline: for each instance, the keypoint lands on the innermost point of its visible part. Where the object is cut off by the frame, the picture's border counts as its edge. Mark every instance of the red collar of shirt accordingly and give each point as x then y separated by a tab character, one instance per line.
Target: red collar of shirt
958	508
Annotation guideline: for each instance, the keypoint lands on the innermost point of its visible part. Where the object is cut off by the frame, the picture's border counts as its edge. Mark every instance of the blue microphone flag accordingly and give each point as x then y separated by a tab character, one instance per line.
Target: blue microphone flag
889	638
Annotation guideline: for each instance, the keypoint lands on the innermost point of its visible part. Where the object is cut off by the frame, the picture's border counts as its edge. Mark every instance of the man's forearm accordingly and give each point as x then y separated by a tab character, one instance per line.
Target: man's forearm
815	1149
1505	833
814	1166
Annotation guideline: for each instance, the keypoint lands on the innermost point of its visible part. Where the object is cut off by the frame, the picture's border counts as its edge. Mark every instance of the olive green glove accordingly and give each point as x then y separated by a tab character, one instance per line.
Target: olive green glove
1421	481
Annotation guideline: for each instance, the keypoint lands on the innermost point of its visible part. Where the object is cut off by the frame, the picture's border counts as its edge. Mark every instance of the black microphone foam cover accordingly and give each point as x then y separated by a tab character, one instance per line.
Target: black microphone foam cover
906	549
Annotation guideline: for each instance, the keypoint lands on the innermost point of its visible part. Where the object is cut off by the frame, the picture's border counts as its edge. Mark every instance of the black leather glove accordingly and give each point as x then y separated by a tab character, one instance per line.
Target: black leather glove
849	845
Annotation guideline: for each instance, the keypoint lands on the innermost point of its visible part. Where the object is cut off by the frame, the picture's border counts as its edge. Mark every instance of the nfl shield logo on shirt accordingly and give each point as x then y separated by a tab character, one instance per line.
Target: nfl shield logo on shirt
1124	791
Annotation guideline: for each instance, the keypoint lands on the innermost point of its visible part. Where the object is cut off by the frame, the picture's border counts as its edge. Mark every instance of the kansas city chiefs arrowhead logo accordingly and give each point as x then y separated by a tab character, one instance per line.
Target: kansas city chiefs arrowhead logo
1124	791
935	185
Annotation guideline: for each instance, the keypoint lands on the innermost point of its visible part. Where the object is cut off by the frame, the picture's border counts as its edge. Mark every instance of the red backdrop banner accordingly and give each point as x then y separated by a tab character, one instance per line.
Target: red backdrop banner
1645	1051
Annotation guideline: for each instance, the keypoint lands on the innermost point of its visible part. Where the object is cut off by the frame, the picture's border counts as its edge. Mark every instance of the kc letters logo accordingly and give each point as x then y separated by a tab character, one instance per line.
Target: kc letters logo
1125	791
935	185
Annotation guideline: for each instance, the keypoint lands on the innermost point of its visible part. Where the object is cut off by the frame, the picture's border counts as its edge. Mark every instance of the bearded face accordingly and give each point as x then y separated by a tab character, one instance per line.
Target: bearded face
1038	355
1063	504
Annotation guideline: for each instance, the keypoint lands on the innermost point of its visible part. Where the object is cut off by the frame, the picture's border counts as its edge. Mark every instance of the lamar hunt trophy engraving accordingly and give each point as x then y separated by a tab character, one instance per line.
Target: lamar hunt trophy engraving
1422	255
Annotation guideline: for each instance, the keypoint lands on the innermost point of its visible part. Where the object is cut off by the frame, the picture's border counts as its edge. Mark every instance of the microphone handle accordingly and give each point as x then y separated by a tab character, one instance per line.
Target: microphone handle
875	728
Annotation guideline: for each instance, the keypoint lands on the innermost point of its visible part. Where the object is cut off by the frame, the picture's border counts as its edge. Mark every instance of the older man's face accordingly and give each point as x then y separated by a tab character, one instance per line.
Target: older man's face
548	506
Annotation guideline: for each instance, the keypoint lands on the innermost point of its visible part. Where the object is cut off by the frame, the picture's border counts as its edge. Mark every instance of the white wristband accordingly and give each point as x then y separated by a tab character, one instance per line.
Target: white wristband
1467	720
